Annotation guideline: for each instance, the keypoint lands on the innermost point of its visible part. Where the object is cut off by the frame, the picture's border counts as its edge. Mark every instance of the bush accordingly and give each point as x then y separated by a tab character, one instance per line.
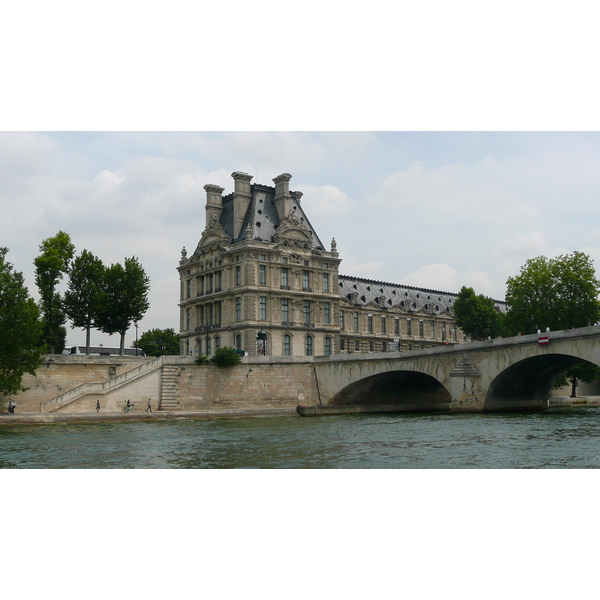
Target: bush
201	360
226	357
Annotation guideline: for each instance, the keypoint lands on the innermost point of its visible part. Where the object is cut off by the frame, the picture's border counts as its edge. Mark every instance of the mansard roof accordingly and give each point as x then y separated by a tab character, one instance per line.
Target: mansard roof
387	295
262	217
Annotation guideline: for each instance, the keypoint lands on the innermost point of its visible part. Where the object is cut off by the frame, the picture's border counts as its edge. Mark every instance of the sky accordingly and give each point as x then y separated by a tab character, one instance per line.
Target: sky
430	209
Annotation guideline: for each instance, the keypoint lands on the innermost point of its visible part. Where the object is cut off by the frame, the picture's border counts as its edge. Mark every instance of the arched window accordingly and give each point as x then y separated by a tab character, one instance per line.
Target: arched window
217	342
309	345
287	344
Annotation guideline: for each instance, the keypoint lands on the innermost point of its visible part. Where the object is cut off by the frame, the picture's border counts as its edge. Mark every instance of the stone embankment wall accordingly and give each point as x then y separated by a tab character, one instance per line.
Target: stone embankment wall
58	374
172	383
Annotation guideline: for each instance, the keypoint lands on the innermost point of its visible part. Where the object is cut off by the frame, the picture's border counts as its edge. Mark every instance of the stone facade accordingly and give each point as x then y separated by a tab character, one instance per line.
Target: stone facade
261	280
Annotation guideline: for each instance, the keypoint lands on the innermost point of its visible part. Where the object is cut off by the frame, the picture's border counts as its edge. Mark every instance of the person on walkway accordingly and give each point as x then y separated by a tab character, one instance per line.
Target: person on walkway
11	408
97	405
149	405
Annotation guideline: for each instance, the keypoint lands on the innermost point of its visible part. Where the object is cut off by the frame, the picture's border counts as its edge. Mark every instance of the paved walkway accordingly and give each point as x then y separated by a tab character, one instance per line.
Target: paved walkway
159	415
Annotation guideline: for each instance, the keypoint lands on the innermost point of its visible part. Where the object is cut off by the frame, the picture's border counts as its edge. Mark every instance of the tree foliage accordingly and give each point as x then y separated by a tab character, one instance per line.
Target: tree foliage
20	329
125	298
50	267
558	293
157	342
226	357
584	372
477	315
83	299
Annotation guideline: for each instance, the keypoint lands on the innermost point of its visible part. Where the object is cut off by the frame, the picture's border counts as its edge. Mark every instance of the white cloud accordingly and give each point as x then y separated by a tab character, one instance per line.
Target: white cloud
532	244
324	202
436	277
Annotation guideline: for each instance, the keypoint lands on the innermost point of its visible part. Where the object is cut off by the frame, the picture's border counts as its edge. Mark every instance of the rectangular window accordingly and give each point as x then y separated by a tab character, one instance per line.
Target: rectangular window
201	279
342	344
188	318
238	309
309	345
285	310
208	348
433	330
305	262
370	323
284	279
383	325
218	281
443	331
421	329
284	260
263	308
306	281
327	347
408	327
355	320
287	345
209	283
327	313
357	345
262	274
188	288
262	257
342	321
238	275
325	282
396	326
306	311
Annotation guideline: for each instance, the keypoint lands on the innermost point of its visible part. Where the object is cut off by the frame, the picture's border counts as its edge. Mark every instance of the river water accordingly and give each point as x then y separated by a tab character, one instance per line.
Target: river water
559	438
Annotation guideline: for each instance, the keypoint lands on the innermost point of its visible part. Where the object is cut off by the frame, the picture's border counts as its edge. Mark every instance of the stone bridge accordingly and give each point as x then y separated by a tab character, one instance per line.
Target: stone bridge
502	374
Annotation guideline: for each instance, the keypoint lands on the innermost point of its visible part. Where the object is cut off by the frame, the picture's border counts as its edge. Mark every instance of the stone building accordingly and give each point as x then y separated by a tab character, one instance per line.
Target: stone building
261	280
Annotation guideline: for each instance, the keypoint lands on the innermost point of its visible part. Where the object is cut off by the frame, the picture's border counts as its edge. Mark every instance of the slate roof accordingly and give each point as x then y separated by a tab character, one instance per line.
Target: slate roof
386	295
262	216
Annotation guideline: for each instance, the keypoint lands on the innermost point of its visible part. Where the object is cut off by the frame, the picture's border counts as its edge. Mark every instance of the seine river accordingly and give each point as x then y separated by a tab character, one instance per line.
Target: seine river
559	438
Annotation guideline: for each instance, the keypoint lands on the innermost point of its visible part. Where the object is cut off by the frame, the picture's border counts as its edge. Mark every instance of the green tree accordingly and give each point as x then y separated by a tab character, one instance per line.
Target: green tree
125	298
559	293
50	267
20	329
477	315
226	357
85	293
584	372
157	342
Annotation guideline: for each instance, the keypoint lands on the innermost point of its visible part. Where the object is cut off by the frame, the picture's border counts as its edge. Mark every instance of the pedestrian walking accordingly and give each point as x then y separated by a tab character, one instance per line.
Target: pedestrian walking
149	405
11	408
97	405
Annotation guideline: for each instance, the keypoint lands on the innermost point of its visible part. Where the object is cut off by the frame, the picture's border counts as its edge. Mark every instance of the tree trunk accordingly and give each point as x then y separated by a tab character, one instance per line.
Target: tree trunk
574	387
87	339
122	346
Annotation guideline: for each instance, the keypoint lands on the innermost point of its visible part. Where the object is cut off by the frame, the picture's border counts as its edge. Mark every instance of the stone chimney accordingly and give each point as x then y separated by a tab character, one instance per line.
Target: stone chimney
283	200
214	202
241	200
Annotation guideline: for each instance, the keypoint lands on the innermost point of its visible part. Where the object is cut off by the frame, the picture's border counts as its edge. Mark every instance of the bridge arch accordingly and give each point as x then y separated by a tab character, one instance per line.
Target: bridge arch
411	390
528	382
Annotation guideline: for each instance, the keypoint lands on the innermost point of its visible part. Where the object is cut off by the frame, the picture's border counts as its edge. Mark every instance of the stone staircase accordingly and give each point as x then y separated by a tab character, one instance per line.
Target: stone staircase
64	400
169	388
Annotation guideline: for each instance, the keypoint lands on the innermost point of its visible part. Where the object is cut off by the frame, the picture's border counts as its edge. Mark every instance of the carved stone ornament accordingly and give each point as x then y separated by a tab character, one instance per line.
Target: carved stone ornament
213	237
295	259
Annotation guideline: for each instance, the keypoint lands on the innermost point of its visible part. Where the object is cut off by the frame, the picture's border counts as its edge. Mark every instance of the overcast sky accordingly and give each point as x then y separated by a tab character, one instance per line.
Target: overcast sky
439	210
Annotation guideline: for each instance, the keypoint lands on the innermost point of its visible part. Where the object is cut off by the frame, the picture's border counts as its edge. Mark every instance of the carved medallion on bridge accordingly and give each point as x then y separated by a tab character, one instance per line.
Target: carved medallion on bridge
465	368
